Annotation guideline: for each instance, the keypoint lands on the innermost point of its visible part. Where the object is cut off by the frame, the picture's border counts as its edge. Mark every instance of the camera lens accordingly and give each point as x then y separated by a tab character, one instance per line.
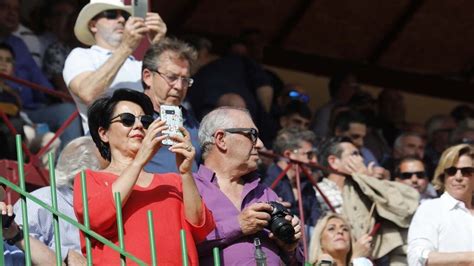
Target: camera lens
282	229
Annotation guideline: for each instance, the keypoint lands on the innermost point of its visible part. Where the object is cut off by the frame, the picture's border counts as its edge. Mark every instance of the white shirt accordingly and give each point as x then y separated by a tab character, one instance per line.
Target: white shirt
36	44
90	59
332	193
442	225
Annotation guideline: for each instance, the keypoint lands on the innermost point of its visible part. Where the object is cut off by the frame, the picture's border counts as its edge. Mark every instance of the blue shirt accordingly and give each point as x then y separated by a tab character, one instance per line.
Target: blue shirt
164	160
26	68
13	255
283	189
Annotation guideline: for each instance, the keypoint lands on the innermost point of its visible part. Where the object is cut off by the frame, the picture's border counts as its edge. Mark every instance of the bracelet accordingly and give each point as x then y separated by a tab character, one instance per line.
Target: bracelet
17	237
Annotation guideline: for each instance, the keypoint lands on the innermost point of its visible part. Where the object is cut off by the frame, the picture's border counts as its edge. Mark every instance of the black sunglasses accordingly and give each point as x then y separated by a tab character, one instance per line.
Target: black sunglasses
128	119
251	133
465	171
113	14
408	175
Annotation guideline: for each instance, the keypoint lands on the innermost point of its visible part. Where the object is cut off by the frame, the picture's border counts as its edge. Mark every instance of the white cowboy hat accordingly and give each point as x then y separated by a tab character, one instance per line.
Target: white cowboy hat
81	29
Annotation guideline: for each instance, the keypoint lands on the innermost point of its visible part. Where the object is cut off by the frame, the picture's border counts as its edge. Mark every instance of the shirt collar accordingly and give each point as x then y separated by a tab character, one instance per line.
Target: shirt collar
207	174
451	203
107	51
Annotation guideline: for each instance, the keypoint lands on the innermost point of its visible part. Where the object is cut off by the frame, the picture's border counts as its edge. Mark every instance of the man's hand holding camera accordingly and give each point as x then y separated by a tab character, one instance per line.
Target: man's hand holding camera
285	228
254	218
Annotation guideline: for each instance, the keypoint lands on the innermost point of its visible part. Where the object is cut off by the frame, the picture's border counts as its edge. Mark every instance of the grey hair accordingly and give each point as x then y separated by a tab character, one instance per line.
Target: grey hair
79	154
291	138
217	119
397	144
152	57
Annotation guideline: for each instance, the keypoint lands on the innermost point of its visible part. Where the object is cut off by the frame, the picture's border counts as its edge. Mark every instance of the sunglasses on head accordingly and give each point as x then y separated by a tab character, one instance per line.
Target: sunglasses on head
465	171
296	95
114	14
128	119
251	133
408	175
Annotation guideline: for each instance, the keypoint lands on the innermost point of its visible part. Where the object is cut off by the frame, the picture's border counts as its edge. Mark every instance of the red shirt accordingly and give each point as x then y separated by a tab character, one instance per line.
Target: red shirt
164	197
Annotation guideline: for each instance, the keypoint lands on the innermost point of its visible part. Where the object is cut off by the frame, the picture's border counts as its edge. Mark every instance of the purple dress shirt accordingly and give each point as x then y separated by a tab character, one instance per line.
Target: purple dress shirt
235	247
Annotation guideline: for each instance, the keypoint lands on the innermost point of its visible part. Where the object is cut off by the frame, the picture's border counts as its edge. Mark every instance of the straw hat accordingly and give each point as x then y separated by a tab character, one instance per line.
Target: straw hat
81	29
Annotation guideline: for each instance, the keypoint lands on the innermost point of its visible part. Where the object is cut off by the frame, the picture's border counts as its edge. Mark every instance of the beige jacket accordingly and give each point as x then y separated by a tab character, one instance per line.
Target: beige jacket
394	204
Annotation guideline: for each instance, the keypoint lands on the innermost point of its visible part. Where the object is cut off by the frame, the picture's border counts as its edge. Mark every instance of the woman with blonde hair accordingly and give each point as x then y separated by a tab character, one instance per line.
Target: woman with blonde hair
441	232
332	243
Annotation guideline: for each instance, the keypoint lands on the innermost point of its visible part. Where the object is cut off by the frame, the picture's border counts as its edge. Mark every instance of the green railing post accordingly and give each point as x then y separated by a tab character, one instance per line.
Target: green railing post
54	202
118	207
151	233
86	217
24	211
2	262
184	248
70	220
217	256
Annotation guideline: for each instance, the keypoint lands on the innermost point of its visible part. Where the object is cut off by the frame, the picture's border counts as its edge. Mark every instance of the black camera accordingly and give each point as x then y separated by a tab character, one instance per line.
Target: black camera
280	226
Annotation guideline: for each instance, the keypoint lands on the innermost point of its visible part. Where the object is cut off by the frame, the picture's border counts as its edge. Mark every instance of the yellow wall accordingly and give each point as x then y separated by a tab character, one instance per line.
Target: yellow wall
419	107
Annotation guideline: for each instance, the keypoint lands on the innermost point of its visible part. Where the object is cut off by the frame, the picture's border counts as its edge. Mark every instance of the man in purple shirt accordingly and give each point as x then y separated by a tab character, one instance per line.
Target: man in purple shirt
231	190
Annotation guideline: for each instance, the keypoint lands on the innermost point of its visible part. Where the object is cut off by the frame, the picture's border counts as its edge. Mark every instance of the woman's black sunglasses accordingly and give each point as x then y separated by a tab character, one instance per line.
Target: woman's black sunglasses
128	119
465	171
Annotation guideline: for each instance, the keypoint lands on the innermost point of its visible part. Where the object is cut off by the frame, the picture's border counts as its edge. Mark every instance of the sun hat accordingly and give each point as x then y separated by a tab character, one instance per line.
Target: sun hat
89	11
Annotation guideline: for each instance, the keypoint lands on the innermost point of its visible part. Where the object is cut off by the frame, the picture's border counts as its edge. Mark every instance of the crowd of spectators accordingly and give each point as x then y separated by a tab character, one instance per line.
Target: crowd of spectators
373	188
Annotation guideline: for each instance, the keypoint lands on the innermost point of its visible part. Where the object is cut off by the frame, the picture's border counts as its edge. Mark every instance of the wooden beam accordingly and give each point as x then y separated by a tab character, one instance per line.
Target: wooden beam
291	22
395	30
431	85
372	74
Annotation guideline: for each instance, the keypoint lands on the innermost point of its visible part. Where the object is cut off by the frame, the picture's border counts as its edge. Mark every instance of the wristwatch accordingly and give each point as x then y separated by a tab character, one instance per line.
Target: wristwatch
17	237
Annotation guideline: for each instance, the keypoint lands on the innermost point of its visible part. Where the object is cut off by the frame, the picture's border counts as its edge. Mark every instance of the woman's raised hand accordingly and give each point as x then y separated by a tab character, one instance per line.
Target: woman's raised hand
184	150
152	141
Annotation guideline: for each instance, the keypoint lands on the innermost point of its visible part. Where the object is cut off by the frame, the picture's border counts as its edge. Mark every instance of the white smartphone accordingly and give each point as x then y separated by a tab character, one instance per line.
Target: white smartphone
140	8
174	119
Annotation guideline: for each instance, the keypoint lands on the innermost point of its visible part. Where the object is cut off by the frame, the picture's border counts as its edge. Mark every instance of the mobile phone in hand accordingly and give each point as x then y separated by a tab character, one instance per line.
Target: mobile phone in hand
173	117
7	220
140	8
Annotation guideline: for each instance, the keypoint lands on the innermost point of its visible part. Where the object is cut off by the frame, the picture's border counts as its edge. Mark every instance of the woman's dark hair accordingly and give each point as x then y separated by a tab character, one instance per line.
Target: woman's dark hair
7	47
100	113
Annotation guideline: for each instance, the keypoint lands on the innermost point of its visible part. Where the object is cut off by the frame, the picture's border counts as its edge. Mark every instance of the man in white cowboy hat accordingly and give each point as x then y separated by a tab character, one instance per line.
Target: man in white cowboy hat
107	65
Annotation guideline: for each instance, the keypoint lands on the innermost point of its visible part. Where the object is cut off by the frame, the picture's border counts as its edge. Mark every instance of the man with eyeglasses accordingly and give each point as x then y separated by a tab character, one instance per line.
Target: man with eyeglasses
229	185
166	78
295	144
113	34
411	171
352	189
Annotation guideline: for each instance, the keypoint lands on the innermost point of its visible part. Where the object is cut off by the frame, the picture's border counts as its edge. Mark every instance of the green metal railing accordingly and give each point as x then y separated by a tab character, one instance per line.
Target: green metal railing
85	228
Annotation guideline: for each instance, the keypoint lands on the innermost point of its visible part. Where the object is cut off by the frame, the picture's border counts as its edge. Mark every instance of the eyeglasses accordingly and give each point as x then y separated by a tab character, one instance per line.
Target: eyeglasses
296	95
128	119
408	175
465	171
251	133
113	14
309	154
172	79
